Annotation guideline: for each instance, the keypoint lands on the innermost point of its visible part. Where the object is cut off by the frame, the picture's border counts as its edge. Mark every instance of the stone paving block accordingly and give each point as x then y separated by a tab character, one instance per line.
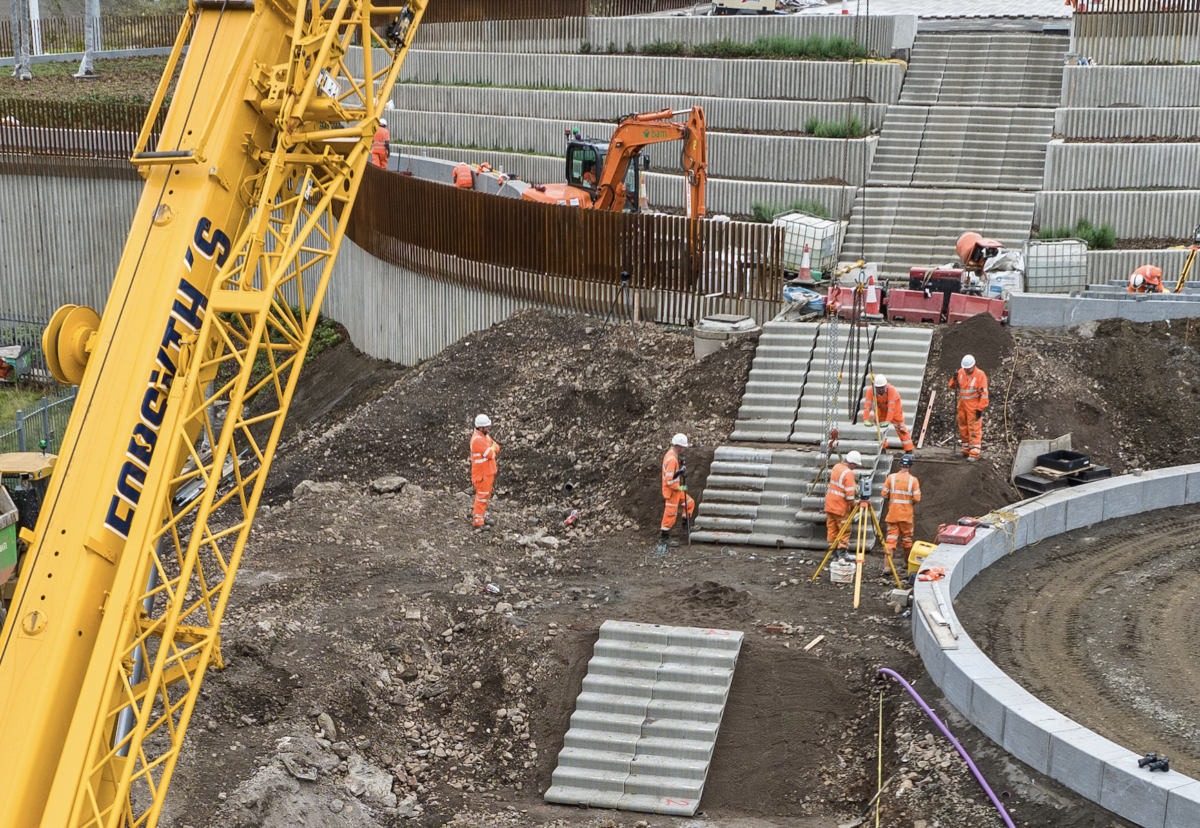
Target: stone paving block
1085	508
1027	730
963	669
1136	793
1193	485
990	698
1043	519
1123	500
1183	806
998	544
972	559
1163	488
931	652
1077	760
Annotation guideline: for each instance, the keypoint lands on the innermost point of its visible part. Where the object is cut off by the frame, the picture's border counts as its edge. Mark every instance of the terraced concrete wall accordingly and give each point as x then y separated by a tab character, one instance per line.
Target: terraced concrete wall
1121	166
731	114
1031	310
1105	265
1093	86
1035	733
1140	122
1133	214
881	34
789	79
1138	38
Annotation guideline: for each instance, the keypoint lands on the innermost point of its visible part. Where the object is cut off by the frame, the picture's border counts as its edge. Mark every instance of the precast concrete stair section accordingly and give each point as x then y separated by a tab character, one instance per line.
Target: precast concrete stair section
962	147
984	69
646	722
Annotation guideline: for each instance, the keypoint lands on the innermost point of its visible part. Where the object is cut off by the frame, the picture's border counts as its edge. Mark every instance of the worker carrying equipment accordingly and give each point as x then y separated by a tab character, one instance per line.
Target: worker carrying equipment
1147	279
972	387
901	490
882	403
381	146
840	498
483	466
464	179
674	490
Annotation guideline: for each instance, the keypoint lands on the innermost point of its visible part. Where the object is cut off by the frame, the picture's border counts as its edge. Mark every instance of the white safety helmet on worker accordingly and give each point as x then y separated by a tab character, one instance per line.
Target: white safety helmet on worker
854	458
383	122
483	421
679	440
1138	280
968	362
880	380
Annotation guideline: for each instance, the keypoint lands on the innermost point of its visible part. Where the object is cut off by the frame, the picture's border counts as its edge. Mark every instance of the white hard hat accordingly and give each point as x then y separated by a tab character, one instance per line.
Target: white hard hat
383	121
1138	280
679	440
968	362
880	380
482	421
854	458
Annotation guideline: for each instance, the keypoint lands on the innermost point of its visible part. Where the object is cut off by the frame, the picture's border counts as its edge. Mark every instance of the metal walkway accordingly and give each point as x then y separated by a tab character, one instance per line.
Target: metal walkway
645	725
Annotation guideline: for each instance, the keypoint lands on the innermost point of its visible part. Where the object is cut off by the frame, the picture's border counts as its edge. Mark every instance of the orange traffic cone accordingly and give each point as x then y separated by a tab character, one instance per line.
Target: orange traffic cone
806	266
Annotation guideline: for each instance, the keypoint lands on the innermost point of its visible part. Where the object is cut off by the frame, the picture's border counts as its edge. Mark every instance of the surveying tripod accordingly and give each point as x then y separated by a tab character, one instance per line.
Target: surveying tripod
861	512
622	296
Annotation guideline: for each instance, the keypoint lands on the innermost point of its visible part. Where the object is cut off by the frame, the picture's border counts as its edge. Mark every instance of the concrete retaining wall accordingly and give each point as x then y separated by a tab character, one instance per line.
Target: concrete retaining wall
1104	265
1138	122
787	79
1133	214
1121	166
730	155
1137	37
1091	86
732	114
1029	310
1030	730
880	33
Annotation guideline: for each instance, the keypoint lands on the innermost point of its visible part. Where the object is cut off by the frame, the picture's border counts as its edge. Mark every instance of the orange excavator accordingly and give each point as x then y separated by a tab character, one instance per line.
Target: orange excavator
608	175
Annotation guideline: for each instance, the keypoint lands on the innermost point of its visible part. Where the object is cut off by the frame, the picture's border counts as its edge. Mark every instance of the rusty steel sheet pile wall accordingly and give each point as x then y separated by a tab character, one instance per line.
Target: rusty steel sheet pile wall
565	257
38	136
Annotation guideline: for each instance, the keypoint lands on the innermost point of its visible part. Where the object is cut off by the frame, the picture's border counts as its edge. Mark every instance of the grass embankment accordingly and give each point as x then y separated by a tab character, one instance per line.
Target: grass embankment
117	81
765	212
1097	238
13	400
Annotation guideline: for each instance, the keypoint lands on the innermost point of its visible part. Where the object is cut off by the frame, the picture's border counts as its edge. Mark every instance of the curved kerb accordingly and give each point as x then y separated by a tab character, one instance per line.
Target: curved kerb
1015	719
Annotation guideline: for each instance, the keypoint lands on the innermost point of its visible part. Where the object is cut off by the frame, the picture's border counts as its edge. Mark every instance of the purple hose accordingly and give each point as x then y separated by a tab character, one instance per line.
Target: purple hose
884	671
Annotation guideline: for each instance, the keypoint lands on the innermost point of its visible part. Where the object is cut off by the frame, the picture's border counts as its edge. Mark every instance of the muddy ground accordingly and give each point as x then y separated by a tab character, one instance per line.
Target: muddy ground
373	680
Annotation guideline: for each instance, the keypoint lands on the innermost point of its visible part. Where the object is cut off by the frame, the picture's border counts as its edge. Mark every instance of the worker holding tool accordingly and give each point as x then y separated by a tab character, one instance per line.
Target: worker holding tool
381	146
882	403
483	467
674	490
840	498
1146	279
972	387
901	490
464	179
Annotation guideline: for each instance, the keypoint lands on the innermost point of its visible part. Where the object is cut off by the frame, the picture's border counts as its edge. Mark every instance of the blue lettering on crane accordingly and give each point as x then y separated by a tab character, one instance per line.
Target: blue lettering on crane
186	317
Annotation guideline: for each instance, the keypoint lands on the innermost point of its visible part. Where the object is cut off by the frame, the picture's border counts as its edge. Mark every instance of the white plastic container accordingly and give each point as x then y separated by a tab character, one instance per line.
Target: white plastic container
823	237
1056	266
711	332
841	572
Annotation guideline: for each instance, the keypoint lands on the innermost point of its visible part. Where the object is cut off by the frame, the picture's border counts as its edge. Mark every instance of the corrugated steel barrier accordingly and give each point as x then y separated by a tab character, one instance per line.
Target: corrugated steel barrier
1138	37
1104	265
485	10
1123	122
1133	214
1092	86
1121	166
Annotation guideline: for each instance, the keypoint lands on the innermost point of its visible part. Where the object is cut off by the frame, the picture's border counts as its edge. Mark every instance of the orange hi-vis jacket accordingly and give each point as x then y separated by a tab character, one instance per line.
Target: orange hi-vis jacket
483	456
380	148
840	496
670	481
463	178
1154	280
972	389
890	406
903	490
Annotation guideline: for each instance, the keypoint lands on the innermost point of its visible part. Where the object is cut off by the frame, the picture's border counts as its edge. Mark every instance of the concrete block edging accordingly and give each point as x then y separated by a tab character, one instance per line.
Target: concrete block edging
1087	763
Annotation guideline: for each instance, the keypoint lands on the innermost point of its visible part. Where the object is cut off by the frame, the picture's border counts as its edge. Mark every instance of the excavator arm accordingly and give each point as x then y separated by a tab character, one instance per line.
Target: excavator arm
636	132
189	372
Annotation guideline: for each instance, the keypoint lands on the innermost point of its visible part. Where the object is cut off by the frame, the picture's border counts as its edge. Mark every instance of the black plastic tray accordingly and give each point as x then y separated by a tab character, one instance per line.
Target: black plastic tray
1088	475
1038	484
1064	461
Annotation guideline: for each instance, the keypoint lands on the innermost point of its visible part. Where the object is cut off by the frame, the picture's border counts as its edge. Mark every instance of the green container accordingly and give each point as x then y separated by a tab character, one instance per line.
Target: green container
8	534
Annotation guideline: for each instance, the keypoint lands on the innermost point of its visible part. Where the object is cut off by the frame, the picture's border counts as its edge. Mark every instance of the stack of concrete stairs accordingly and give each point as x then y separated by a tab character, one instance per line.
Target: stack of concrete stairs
963	150
765	494
1119	289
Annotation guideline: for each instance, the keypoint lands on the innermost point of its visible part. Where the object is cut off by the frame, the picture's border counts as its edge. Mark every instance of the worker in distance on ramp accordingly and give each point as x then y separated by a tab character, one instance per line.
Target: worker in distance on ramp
674	490
882	403
972	385
483	468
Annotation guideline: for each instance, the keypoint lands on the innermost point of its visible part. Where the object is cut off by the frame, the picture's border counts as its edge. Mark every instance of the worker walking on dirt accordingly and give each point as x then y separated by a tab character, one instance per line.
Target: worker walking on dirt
901	490
464	179
483	466
972	387
1147	279
674	489
381	145
882	403
840	498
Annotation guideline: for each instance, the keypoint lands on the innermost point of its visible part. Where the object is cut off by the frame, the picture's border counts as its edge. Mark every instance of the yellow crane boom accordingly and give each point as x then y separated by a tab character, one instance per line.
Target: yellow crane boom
118	609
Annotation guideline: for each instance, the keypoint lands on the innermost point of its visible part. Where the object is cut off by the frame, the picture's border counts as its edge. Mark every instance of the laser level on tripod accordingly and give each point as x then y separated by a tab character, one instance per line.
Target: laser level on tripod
623	296
862	512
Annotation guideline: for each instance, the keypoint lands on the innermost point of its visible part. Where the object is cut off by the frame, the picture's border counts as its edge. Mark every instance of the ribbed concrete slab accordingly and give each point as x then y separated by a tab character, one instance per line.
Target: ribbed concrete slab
646	722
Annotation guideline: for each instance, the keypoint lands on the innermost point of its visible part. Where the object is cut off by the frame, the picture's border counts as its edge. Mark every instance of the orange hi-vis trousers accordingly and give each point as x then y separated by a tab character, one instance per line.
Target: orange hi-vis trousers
833	525
970	430
899	532
483	493
671	510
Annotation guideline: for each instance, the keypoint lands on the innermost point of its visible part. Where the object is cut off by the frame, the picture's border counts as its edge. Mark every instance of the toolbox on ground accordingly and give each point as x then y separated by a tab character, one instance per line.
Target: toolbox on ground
959	535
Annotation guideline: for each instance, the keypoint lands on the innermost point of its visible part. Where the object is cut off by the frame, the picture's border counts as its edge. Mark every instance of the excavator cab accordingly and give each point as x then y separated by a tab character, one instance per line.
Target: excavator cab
585	162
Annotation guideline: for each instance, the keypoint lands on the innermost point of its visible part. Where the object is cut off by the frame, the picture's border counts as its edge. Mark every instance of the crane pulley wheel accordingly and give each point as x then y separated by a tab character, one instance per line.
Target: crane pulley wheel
67	342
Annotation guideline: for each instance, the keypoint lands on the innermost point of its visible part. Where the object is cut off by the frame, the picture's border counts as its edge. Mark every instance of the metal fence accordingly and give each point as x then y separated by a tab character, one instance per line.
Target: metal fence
1133	6
470	11
80	139
29	333
44	420
63	35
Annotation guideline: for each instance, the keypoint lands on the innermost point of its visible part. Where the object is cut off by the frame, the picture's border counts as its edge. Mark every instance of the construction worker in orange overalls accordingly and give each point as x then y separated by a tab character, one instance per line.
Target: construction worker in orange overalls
882	403
840	498
972	387
674	490
483	467
381	146
1146	279
901	490
464	179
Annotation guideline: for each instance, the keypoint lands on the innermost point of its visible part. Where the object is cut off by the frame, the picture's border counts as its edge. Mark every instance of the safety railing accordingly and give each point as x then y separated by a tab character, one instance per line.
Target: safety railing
44	420
470	11
1133	6
64	35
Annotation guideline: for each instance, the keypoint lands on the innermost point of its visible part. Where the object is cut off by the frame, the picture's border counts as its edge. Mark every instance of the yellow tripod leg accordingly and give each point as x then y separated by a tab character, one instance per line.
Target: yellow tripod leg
860	553
833	546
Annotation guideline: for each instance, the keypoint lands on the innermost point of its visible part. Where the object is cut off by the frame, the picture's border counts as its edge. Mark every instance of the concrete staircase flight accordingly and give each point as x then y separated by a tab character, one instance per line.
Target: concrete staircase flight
984	68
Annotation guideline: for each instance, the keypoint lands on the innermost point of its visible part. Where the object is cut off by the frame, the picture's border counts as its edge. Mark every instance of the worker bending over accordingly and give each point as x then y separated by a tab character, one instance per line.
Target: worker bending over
464	178
483	466
901	490
1146	279
882	403
674	489
972	387
840	498
381	145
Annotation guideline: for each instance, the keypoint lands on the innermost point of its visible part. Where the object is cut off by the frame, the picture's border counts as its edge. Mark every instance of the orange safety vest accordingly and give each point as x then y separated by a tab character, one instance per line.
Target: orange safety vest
904	490
972	389
483	456
670	481
892	407
840	495
380	147
1153	277
463	177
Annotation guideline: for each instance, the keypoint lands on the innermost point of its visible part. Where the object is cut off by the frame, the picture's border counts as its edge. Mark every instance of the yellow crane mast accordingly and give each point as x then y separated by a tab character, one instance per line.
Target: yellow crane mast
119	604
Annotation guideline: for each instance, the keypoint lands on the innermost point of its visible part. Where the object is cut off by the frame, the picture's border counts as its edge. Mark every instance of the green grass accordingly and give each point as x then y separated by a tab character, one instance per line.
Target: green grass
852	127
13	400
779	47
765	212
1097	238
117	81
